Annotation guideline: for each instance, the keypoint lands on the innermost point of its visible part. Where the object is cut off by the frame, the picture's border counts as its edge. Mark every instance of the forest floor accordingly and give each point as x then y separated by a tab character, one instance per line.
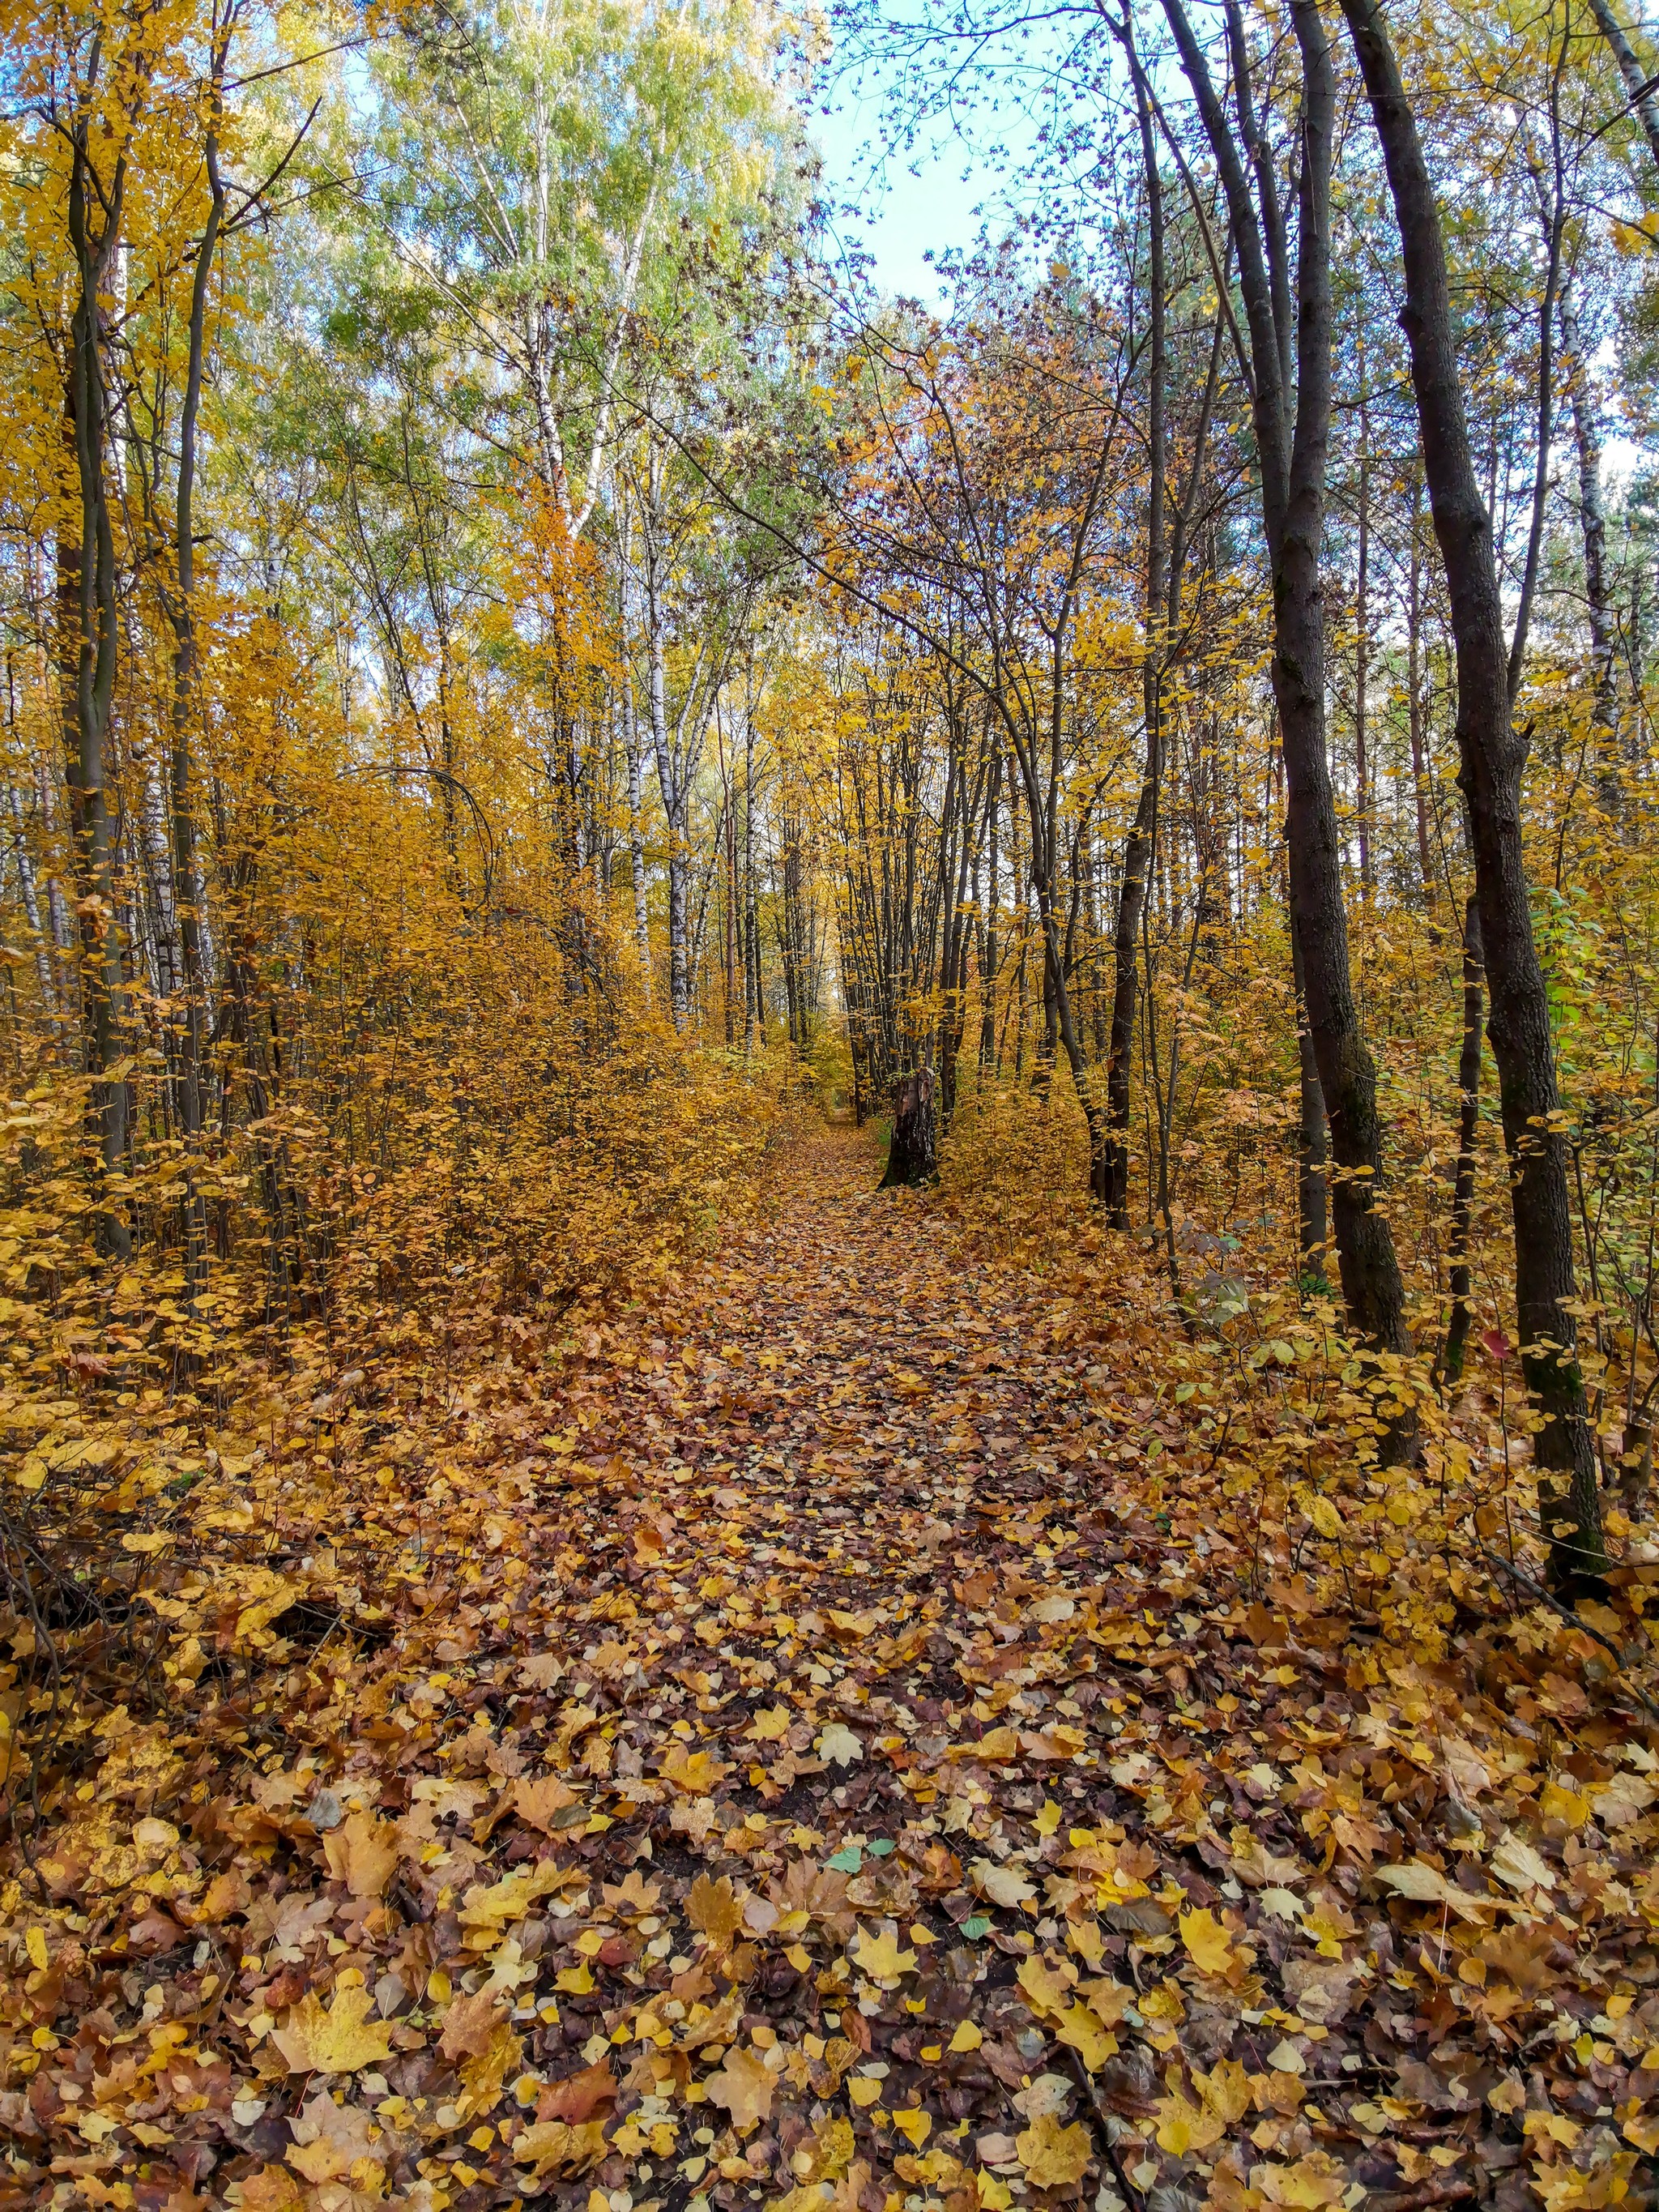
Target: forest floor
803	1751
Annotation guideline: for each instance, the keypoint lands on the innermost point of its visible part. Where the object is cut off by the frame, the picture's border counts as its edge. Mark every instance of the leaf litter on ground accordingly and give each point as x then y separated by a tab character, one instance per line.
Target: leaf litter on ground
834	1738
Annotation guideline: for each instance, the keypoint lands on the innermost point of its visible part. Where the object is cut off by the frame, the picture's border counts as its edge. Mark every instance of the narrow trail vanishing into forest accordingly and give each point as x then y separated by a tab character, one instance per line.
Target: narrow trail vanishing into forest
801	1754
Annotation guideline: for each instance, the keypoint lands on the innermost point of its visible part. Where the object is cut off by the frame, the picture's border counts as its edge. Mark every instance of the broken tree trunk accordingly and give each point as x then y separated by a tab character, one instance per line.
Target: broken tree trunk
913	1155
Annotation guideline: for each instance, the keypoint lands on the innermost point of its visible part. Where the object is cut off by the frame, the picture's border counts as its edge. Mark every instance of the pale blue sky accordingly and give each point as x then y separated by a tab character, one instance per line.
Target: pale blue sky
902	216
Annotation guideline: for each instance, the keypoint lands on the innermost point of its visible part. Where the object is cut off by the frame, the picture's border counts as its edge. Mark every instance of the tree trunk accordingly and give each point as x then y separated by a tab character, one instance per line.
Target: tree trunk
1361	652
1468	1122
1292	461
1593	526
1491	755
1414	698
1638	88
1111	1162
753	1011
187	1034
674	780
912	1157
88	645
635	822
731	906
989	958
1312	1151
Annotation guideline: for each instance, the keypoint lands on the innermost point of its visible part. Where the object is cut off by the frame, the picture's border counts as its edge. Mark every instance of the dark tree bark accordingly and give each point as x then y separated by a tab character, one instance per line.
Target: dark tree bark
88	648
990	952
1312	1151
913	1155
1468	1122
1492	754
1292	431
1361	652
1415	720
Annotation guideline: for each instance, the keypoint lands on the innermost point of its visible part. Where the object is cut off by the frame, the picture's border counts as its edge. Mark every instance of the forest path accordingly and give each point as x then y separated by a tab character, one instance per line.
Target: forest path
843	1343
801	1748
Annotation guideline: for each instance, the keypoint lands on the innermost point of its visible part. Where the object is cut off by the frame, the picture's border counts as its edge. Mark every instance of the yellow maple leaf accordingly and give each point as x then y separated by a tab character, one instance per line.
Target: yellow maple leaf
1312	2182
826	2155
330	2140
540	1798
485	2075
881	1958
994	1748
1567	1806
914	2125
1054	2156
1047	1988
1093	2042
1554	2125
695	1775
1183	2126
770	1724
1208	1945
556	2147
488	1908
341	2041
1227	2090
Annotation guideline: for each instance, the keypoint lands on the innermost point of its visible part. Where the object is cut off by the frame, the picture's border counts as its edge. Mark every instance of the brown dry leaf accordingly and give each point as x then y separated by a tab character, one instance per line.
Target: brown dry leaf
579	2096
714	1909
538	1798
470	2022
227	1893
1003	1884
363	1852
744	2086
330	2139
272	2188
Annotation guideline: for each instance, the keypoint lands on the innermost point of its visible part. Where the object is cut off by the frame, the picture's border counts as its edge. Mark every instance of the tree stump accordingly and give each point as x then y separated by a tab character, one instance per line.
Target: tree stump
913	1156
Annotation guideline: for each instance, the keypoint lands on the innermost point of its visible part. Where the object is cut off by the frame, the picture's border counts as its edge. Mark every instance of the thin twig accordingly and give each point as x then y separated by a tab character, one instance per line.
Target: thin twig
1104	2128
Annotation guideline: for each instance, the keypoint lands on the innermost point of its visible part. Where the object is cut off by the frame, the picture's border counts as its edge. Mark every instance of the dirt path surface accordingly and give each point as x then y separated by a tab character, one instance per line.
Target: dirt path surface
798	1747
